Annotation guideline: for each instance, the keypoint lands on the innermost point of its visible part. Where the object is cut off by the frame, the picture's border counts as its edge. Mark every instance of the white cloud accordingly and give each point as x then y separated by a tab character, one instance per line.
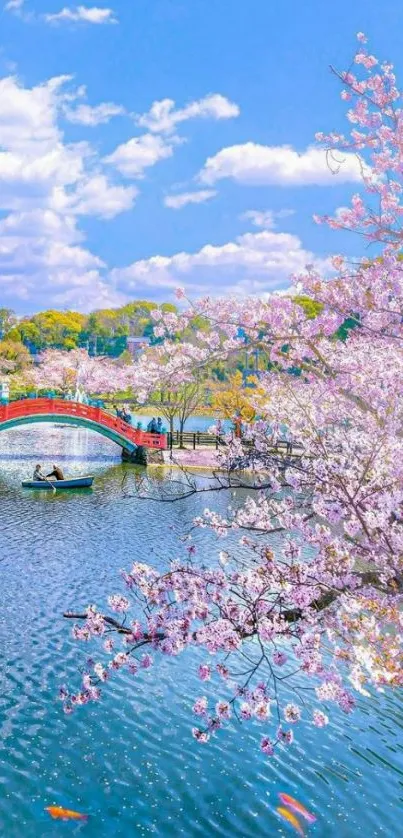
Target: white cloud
45	186
255	263
41	258
163	118
28	115
266	219
182	199
35	164
14	6
18	8
139	153
40	223
82	14
97	115
96	196
262	165
87	291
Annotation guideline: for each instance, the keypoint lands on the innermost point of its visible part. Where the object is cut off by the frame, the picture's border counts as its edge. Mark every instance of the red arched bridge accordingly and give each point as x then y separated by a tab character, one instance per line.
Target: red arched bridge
59	411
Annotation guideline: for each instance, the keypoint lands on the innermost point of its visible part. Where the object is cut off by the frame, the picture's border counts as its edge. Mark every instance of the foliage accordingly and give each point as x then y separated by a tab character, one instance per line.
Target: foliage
7	320
50	328
309	306
234	398
14	357
104	331
107	329
304	610
129	319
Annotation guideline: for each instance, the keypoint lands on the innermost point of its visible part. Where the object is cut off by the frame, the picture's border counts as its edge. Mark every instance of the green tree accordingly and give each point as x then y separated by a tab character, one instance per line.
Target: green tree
14	357
311	307
7	320
56	329
233	398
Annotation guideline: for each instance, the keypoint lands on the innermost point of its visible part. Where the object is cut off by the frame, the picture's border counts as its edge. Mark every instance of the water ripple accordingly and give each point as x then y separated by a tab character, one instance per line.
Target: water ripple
131	763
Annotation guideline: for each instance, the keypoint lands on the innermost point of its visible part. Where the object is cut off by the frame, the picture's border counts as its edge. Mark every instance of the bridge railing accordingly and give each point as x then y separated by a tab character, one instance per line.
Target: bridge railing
60	407
144	438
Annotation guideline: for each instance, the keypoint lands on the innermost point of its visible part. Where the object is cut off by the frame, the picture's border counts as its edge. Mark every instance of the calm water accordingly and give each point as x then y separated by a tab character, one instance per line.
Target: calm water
130	762
193	424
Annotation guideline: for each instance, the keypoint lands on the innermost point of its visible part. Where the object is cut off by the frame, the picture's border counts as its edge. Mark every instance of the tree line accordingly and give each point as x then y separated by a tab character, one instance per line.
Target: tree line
102	332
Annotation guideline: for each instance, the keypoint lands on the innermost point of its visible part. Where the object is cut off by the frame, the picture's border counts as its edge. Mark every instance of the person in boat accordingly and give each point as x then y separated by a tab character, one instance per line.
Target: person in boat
152	426
159	425
56	473
38	473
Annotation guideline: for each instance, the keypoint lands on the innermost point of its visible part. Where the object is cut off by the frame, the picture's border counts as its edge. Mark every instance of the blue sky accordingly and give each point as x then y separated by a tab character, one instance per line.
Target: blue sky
142	144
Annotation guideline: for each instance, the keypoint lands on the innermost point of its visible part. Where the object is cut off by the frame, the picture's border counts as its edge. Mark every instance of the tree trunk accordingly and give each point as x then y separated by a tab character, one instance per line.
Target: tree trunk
181	429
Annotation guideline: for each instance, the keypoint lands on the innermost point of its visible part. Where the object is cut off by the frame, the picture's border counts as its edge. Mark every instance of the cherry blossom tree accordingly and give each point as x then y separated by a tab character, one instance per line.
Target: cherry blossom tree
179	403
65	371
290	631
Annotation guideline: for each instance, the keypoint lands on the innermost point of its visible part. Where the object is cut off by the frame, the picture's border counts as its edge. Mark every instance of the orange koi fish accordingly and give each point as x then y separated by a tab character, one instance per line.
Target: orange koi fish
288	816
297	807
58	813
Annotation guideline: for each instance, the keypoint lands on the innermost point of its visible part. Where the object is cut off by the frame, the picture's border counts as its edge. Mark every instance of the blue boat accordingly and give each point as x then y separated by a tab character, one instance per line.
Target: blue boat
73	483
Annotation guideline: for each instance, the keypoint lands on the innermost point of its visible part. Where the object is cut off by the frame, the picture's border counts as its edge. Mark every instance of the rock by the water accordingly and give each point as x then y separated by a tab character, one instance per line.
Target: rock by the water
142	456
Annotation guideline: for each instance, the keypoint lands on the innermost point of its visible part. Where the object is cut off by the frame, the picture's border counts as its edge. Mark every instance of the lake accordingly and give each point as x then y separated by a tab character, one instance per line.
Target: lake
130	762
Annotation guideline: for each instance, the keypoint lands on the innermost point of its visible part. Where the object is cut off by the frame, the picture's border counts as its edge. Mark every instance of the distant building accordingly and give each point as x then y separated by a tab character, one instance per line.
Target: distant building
136	346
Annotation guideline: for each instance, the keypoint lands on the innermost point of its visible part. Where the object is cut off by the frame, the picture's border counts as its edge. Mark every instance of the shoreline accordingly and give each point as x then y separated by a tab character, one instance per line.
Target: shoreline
185	467
185	458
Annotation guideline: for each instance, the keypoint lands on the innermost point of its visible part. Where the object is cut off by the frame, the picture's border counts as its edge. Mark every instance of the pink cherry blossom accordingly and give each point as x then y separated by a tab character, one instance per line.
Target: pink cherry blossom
279	658
200	706
285	736
320	719
67	370
267	746
200	735
118	603
315	577
245	711
204	672
223	710
292	713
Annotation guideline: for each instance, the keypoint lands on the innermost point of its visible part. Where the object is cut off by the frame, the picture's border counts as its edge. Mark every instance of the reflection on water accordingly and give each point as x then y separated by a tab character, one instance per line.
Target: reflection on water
131	763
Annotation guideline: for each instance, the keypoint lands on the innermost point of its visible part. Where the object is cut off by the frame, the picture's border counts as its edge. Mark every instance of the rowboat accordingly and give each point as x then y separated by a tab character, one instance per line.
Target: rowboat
73	483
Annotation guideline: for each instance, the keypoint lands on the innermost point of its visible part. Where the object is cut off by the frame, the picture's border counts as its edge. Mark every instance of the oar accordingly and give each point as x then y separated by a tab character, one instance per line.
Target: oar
51	483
